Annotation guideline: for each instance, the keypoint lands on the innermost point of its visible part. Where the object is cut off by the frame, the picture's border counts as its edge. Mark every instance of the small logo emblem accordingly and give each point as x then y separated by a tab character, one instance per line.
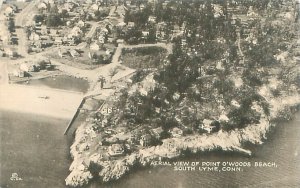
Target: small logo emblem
15	177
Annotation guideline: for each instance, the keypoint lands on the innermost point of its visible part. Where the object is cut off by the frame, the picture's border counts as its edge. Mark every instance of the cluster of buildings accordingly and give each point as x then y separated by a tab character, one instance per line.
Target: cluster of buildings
8	52
8	36
80	24
26	68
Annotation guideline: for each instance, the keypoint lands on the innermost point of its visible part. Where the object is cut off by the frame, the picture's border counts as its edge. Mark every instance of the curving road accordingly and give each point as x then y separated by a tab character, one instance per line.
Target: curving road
92	75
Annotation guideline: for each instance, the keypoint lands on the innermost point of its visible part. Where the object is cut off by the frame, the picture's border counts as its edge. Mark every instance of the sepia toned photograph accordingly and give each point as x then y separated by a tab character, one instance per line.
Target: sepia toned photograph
149	93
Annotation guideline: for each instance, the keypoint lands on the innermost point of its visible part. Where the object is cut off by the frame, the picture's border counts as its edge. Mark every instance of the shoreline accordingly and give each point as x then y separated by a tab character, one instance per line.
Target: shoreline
232	141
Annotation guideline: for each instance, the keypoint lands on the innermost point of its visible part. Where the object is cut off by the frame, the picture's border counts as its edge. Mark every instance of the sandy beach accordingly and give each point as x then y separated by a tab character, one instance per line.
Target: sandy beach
43	101
3	74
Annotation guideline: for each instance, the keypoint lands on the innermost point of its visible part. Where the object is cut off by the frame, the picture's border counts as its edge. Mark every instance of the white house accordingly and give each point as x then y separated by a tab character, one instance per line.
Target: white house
27	67
10	52
9	11
101	39
42	6
75	32
145	33
34	36
115	150
94	46
176	132
131	24
206	125
94	7
81	24
121	24
63	53
18	73
152	19
74	53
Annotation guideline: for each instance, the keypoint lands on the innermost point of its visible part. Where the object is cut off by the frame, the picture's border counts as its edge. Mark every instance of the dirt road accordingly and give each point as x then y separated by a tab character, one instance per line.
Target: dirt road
21	20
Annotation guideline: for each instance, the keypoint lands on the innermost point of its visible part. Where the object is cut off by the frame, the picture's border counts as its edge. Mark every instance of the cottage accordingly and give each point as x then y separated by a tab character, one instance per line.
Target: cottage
164	5
116	150
34	36
19	73
63	53
69	40
134	137
121	24
128	2
94	7
160	34
13	39
176	132
101	39
36	44
58	41
42	6
74	53
81	24
145	33
2	54
9	11
69	6
110	39
89	1
220	66
207	125
142	6
108	52
49	1
75	32
251	12
44	64
235	103
130	24
169	144
120	41
223	117
94	46
146	140
133	7
53	32
45	37
161	25
44	30
28	67
157	132
183	42
10	52
152	19
105	30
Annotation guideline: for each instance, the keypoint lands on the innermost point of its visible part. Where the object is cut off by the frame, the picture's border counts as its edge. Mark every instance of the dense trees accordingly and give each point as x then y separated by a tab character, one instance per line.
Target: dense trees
53	20
210	52
11	25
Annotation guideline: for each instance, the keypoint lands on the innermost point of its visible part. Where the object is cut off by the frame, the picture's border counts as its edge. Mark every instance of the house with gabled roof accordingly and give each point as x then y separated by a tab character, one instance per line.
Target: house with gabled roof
116	150
176	132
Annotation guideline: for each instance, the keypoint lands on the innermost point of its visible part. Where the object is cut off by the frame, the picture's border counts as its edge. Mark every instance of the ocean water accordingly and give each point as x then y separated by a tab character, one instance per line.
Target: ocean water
36	149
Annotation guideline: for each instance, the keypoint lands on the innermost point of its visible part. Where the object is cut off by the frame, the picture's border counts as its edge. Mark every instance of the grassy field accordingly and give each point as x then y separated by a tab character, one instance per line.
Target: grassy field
142	58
